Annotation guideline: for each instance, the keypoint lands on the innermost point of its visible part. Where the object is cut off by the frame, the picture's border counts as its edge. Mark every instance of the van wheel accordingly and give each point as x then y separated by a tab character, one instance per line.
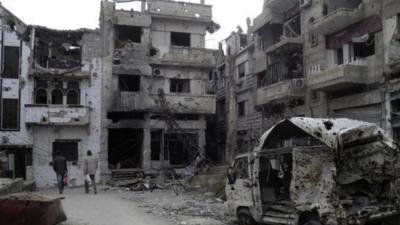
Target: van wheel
312	222
245	217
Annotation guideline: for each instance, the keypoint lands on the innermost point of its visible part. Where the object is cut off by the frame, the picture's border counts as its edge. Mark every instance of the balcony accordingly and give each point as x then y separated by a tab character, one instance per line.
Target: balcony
190	57
268	16
76	73
336	20
289	42
178	103
132	18
280	5
180	10
44	115
281	91
338	78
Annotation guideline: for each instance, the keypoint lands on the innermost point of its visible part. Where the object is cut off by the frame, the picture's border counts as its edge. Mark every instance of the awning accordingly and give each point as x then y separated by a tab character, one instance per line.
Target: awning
369	25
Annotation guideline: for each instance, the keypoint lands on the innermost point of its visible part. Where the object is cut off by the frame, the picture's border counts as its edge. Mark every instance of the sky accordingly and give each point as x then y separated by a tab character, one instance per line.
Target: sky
75	14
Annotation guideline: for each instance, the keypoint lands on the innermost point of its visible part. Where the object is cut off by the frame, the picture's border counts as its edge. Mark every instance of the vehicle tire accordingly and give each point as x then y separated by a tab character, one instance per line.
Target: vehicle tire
245	217
312	222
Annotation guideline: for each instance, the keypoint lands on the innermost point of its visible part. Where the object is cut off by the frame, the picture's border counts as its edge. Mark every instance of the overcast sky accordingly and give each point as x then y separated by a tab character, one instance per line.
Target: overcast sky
74	14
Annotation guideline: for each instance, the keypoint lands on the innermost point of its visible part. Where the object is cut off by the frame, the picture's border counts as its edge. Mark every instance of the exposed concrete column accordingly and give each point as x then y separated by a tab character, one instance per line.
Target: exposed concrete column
146	149
202	141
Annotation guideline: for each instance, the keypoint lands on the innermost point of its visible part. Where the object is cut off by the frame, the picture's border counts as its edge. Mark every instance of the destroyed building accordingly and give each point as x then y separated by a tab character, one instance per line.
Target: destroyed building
134	92
51	84
155	93
328	58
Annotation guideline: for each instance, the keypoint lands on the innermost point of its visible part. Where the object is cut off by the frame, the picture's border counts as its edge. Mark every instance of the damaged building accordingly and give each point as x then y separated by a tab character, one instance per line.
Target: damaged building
134	92
50	95
328	58
156	98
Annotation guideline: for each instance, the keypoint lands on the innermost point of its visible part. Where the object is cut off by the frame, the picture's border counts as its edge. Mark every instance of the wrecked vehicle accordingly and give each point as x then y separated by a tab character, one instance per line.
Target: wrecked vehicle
307	171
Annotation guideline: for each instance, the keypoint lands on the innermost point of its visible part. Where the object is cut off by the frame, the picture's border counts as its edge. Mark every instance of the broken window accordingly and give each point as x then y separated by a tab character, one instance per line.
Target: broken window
128	34
156	145
73	93
241	168
58	49
221	109
11	62
66	148
364	49
261	78
292	27
339	56
41	96
242	109
10	114
72	97
129	83
180	86
313	39
56	97
242	70
180	39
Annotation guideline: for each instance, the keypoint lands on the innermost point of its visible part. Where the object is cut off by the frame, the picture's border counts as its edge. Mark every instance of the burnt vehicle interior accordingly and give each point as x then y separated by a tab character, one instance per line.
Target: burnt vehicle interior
363	172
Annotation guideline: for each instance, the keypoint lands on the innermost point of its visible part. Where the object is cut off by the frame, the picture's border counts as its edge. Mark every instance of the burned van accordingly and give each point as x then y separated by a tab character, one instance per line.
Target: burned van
307	171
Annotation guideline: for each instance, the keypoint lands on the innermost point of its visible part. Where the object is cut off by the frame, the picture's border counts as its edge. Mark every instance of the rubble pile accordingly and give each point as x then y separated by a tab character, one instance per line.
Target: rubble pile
191	207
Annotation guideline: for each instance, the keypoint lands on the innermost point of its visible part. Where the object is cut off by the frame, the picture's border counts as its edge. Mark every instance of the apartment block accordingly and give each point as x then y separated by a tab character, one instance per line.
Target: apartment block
156	94
50	99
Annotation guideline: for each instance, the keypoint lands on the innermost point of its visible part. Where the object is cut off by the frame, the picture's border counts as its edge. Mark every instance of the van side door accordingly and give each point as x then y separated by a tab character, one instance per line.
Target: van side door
239	187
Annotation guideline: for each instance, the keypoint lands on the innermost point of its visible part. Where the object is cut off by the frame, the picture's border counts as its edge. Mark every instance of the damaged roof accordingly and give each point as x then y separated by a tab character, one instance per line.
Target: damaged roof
332	132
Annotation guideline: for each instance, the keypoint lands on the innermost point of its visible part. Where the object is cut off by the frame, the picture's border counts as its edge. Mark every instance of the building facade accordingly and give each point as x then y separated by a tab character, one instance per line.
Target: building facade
326	58
156	97
51	88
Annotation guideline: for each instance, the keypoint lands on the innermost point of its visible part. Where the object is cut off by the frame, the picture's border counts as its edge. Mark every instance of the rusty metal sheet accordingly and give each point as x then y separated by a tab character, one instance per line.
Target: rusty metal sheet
30	209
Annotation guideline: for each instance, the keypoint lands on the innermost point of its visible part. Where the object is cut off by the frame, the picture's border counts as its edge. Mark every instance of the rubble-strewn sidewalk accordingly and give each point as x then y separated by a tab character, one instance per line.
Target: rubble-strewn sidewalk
189	207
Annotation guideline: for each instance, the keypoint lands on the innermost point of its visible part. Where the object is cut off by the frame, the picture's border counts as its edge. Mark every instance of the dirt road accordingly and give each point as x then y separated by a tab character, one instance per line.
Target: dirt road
103	209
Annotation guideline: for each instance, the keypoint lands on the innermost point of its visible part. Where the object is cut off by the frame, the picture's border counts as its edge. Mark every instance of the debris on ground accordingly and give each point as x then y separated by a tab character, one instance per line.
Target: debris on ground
9	186
192	206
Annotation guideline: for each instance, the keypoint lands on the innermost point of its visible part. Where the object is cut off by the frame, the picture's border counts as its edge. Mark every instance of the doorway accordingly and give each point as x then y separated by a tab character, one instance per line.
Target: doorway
124	148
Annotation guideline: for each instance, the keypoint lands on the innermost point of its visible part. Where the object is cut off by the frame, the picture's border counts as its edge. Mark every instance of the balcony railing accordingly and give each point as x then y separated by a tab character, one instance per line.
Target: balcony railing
338	77
336	20
177	102
194	57
180	10
56	115
282	70
281	91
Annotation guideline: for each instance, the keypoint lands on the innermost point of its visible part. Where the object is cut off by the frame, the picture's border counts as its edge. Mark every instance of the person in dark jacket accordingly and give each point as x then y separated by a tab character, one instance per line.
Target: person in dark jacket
60	167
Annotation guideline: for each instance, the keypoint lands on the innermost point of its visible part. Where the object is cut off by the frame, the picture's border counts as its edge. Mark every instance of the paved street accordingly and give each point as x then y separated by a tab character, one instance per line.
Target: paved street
103	209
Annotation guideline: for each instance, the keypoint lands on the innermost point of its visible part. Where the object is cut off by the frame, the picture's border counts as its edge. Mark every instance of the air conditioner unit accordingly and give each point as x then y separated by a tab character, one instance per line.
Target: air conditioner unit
299	83
305	3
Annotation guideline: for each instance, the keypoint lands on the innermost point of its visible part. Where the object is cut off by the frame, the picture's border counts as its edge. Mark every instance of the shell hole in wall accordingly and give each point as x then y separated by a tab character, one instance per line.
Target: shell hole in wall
197	15
153	52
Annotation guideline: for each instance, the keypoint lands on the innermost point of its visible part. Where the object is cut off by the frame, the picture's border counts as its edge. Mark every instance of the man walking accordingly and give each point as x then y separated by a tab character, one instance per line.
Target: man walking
89	168
60	167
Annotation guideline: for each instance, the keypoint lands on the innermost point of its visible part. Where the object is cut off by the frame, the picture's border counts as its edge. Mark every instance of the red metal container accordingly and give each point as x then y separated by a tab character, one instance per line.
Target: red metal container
30	209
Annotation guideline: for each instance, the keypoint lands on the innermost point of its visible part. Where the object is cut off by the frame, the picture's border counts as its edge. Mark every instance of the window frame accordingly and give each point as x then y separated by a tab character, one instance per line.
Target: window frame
18	115
75	154
241	109
175	87
36	96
